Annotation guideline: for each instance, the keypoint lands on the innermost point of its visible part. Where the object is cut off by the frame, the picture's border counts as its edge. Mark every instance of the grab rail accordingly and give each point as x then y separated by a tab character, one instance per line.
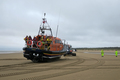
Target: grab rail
33	44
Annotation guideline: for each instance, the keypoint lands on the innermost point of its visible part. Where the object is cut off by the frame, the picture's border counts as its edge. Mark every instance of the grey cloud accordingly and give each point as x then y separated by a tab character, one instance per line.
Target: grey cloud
83	23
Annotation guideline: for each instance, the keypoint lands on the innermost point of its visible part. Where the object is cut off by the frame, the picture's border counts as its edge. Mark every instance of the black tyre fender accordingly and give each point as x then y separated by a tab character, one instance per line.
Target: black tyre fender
64	54
35	60
73	54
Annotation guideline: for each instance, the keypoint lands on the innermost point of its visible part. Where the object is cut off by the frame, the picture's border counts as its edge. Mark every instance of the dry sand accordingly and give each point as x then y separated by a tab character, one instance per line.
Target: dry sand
84	66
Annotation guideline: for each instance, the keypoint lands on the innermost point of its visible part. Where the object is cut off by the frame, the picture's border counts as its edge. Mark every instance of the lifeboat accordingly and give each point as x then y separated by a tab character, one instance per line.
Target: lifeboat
44	47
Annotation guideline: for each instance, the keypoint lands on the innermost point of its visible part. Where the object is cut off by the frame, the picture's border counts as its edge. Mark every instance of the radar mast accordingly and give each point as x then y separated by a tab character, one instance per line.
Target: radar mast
44	26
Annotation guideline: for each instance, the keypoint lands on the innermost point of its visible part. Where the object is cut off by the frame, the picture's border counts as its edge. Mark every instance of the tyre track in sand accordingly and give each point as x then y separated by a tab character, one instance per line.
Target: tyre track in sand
51	67
98	63
25	65
4	67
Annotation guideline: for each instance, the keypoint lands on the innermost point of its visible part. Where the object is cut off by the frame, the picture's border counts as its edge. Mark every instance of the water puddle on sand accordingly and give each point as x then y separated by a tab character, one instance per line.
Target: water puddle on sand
105	53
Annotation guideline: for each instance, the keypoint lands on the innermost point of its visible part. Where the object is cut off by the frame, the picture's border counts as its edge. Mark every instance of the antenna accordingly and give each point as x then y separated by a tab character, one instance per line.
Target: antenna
57	30
44	15
58	25
43	26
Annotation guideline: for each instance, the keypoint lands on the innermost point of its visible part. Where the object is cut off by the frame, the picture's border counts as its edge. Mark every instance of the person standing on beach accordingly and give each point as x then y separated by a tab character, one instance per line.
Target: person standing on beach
102	53
116	53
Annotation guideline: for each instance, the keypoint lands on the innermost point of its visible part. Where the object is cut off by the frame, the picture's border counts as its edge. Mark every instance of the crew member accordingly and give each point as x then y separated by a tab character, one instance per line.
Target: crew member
48	43
26	39
102	53
30	38
43	42
34	41
116	53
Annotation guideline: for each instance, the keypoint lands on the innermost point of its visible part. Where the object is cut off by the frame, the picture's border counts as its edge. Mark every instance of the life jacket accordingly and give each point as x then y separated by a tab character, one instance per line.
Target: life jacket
26	38
49	40
116	52
42	40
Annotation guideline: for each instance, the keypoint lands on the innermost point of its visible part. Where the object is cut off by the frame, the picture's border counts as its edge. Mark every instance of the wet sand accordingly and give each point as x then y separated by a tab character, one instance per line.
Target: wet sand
84	66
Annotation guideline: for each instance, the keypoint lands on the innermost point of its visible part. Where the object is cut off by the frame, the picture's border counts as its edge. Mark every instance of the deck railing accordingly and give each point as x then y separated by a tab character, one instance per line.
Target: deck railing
43	45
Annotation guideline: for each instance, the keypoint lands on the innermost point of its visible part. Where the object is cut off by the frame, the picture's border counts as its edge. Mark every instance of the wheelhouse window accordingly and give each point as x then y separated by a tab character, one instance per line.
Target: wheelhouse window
58	41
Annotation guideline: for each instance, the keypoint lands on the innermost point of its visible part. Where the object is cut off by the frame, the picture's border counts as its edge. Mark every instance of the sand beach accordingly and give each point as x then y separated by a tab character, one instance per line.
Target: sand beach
84	66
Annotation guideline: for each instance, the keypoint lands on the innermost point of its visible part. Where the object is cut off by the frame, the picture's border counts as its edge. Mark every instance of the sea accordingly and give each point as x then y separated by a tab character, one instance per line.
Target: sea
9	52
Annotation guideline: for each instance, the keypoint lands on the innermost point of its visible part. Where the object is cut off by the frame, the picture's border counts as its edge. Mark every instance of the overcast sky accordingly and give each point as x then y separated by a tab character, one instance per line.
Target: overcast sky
82	23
